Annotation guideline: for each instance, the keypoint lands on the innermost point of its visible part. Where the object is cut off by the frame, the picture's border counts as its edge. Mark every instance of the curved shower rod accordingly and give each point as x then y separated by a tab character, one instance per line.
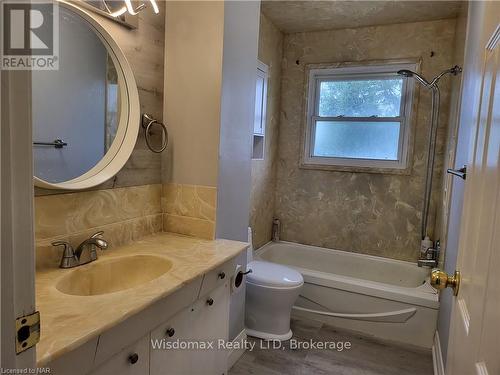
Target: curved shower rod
431	148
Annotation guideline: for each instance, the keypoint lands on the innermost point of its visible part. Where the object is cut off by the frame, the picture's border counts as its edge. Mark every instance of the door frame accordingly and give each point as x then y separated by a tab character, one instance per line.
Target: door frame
17	260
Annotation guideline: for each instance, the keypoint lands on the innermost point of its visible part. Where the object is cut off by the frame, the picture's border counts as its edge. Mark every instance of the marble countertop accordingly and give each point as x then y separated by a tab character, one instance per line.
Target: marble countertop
68	321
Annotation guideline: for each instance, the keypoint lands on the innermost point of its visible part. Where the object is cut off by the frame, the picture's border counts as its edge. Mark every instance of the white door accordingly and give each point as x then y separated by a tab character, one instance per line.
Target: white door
17	236
475	319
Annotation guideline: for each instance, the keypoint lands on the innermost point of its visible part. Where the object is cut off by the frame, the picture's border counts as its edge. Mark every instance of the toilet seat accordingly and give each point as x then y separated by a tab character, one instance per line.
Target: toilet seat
275	275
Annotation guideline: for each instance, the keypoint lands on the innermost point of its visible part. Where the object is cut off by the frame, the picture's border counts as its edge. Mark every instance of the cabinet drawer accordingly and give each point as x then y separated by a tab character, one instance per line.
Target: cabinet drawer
203	322
218	277
133	360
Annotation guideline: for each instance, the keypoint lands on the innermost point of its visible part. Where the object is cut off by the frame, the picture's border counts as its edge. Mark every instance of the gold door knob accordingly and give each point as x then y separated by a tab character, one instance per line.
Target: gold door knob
441	280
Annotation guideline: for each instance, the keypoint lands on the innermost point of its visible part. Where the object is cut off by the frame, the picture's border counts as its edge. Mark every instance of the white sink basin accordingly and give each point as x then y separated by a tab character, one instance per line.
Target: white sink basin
113	275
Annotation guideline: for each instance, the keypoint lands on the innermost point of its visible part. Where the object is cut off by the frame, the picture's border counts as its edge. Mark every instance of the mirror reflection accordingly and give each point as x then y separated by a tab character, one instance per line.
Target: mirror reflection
75	109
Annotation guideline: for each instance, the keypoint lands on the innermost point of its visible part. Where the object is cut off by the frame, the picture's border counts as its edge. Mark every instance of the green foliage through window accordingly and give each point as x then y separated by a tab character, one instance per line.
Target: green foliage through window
360	98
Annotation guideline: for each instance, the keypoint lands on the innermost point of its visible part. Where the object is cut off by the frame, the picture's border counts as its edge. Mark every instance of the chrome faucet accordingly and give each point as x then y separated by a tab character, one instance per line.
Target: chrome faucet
69	259
431	256
86	252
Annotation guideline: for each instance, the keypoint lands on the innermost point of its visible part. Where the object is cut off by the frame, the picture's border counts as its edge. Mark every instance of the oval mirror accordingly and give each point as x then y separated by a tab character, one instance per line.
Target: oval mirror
85	114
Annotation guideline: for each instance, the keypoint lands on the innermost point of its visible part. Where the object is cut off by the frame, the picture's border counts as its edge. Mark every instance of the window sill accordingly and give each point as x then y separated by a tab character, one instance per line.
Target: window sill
352	169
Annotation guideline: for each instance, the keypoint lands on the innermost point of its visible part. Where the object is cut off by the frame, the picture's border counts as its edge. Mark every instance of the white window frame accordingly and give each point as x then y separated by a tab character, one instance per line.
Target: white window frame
316	75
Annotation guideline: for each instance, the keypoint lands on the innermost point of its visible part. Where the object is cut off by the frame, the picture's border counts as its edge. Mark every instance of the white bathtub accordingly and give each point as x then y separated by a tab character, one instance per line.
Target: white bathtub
387	298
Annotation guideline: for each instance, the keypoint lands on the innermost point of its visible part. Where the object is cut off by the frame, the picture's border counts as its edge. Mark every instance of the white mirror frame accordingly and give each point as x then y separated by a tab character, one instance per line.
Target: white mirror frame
129	121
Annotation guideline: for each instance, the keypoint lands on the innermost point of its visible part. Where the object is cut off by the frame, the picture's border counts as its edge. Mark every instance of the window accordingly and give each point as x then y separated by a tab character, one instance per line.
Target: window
358	117
259	125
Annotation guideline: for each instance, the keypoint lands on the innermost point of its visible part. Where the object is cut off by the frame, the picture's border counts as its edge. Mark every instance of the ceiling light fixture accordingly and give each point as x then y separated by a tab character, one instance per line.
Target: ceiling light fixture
128	7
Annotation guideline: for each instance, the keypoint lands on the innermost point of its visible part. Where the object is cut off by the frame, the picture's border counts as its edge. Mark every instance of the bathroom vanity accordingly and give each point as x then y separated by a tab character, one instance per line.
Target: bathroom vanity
120	312
91	326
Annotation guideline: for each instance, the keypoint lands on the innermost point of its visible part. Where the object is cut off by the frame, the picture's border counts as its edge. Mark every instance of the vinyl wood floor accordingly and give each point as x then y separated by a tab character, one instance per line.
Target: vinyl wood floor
367	356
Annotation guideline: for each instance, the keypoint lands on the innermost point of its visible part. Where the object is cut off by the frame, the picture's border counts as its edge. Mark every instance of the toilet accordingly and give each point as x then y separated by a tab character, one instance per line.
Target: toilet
271	291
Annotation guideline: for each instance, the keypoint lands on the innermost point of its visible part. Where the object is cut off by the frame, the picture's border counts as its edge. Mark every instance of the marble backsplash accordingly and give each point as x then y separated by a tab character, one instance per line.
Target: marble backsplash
124	214
189	210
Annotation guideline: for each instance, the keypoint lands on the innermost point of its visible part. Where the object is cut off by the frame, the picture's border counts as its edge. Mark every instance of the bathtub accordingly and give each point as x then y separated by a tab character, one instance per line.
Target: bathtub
386	298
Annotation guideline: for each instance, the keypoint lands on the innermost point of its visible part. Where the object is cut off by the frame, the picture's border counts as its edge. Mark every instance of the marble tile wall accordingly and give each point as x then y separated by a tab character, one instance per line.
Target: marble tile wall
264	171
189	209
124	214
377	214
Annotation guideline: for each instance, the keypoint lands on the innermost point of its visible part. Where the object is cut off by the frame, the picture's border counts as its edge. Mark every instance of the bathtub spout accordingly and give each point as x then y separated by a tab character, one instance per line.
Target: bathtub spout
431	257
432	263
276	232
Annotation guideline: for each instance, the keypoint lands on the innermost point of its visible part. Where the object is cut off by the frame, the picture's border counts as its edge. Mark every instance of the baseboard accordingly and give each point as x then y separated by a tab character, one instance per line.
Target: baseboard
437	356
235	354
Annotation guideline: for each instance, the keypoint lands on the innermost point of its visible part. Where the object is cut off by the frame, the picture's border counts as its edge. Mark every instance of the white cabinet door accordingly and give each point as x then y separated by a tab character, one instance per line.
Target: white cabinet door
260	99
194	329
165	358
210	317
133	360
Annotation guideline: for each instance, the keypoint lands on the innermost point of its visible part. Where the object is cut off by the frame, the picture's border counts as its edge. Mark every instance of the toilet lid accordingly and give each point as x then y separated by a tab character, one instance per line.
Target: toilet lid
273	274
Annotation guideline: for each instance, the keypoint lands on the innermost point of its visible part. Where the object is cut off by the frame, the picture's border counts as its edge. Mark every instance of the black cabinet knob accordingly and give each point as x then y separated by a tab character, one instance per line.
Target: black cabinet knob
133	358
170	332
222	275
210	302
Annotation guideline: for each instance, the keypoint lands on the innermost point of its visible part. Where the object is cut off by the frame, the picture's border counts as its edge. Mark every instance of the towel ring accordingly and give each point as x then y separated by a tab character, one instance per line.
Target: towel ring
147	122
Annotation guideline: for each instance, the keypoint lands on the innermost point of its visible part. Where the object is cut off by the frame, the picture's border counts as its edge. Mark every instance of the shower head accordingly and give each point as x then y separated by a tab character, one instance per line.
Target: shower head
408	73
405	73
